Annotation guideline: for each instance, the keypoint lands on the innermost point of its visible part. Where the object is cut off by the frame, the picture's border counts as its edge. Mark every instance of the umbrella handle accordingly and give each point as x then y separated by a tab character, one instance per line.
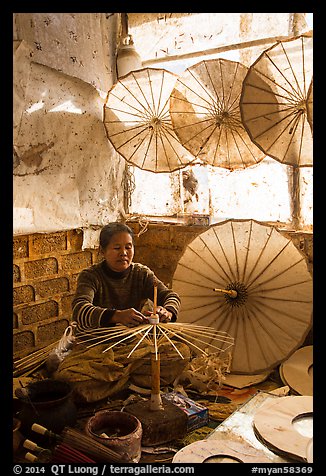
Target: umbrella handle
231	292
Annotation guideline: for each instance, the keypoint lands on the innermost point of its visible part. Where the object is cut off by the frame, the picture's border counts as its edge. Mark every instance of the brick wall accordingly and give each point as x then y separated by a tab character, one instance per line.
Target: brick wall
46	267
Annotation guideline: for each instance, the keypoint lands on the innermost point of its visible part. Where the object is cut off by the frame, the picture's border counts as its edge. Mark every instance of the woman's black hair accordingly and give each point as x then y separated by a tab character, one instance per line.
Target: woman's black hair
111	229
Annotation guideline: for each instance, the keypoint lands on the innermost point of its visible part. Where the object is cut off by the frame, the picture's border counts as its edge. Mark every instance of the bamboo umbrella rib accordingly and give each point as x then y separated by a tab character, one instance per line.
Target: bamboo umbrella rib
171	342
231	276
301	137
283	313
303	301
259	257
151	107
212	123
223	87
199	327
214	257
122	340
292	91
141	126
292	70
269	262
235	103
245	264
202	99
140	341
143	114
129	336
142	118
205	110
261	283
213	83
227	147
286	126
108	334
36	354
218	141
249	331
288	95
303	70
151	135
292	265
167	132
256	313
165	106
259	311
202	274
162	134
208	295
241	329
131	139
221	307
236	260
226	319
156	108
187	341
237	134
211	337
194	338
149	112
214	336
207	331
255	293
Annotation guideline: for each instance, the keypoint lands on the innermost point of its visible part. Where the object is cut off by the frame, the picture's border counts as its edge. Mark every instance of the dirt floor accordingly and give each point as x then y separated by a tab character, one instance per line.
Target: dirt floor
219	406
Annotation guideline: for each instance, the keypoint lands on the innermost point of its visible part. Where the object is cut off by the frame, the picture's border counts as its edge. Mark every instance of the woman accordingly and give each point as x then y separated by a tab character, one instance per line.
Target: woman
113	291
108	293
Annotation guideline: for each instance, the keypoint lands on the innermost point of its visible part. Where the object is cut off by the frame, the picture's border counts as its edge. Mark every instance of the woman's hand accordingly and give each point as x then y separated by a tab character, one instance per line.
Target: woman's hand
129	317
163	314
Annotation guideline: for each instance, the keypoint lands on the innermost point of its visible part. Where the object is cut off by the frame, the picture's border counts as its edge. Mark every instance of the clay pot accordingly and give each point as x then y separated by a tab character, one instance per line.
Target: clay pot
47	402
119	431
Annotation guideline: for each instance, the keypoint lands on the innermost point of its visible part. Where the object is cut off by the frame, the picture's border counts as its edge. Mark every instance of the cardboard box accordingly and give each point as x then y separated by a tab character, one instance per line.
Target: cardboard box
197	414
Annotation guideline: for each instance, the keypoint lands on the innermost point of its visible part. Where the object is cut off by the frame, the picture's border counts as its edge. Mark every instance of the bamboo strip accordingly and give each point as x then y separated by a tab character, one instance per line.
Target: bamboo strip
155	297
168	338
144	336
199	340
125	338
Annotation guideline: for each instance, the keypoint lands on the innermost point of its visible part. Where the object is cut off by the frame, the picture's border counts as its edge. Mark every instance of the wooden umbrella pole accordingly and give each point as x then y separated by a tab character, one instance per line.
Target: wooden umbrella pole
156	400
231	292
155	297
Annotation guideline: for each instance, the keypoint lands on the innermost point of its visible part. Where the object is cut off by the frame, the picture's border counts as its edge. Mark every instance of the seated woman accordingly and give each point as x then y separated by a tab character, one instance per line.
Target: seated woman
112	292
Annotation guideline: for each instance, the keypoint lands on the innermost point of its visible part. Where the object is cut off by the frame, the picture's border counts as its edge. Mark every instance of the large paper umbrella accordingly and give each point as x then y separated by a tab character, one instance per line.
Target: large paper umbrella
138	123
205	114
245	278
310	105
274	98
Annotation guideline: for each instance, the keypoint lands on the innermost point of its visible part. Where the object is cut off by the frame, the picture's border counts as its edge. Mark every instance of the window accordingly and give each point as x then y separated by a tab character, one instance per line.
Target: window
266	191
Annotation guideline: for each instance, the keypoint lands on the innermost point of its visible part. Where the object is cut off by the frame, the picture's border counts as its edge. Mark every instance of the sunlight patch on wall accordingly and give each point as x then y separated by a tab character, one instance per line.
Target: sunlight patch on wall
306	188
259	192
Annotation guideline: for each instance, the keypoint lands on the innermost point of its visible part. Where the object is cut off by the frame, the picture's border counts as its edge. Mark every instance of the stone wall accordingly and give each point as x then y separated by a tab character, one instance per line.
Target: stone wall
46	267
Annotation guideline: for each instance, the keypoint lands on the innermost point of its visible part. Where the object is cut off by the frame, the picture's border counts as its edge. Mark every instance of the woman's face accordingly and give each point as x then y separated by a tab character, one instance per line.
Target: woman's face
119	252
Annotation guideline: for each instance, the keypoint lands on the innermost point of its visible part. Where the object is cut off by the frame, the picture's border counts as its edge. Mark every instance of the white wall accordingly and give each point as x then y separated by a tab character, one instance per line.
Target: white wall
66	172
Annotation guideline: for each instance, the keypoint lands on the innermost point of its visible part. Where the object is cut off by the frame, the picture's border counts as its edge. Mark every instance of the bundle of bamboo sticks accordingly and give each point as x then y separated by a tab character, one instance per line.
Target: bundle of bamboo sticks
79	441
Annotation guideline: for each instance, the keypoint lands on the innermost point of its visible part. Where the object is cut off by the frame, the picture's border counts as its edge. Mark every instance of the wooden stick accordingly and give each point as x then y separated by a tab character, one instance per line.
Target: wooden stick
134	333
155	297
165	335
231	292
144	336
156	400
